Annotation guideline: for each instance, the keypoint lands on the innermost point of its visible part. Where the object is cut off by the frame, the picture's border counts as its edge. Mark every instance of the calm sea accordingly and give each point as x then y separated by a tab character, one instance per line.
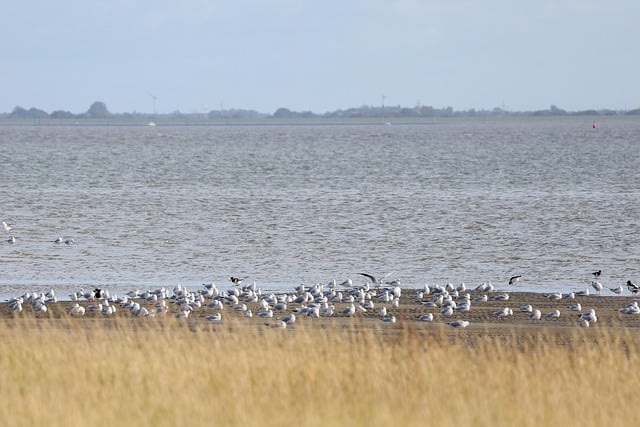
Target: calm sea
460	200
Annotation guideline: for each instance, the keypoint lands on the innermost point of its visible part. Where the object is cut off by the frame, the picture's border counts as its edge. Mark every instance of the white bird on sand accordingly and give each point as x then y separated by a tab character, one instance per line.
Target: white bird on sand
216	317
575	307
535	315
447	311
428	317
617	290
505	312
526	308
76	310
631	308
389	319
590	316
584	293
291	318
459	323
584	323
501	297
553	314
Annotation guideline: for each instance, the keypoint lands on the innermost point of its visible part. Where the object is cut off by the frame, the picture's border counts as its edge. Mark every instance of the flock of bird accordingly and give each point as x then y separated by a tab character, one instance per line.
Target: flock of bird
12	239
376	297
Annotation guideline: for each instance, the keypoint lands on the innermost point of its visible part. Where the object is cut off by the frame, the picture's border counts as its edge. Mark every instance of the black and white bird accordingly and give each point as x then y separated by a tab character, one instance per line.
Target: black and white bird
236	280
514	279
633	288
597	274
375	280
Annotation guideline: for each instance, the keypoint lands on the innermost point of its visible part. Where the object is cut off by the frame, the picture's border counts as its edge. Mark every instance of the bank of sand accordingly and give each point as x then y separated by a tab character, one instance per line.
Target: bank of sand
481	316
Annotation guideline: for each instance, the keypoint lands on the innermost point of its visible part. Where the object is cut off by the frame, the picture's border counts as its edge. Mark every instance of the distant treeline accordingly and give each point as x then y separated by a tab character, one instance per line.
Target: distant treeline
98	110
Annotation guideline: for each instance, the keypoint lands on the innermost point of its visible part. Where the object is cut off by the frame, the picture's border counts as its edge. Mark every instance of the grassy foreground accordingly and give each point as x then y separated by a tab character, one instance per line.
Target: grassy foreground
172	372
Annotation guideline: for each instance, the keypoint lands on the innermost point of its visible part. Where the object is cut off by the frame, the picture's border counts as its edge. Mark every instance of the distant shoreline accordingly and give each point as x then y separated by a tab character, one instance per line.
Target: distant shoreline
153	122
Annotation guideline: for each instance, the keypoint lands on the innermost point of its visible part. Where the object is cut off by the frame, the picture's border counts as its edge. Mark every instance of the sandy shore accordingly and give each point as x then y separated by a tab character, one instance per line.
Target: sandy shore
481	317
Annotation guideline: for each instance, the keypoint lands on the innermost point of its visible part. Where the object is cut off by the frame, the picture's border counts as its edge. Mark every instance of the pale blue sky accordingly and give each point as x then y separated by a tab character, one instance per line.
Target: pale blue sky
319	55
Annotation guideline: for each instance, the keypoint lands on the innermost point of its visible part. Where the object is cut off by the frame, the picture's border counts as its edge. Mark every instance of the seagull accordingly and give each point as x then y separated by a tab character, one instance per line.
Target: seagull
6	226
633	288
373	279
501	297
617	290
553	314
536	315
589	316
389	319
58	241
459	323
526	308
514	279
503	313
575	307
597	286
216	317
11	239
427	317
69	242
597	274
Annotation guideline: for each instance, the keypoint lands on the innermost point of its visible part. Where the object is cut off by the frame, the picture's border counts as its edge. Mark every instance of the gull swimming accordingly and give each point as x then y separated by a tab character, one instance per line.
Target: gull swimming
11	239
6	226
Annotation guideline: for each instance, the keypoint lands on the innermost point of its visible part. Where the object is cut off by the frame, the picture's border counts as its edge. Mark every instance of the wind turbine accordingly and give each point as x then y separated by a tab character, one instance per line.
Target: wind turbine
155	100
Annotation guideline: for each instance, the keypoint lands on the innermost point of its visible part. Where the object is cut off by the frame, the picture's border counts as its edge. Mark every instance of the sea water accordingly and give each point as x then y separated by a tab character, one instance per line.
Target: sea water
449	200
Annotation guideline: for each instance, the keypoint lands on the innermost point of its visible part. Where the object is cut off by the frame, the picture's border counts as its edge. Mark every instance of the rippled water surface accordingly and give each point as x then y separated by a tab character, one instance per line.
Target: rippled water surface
461	200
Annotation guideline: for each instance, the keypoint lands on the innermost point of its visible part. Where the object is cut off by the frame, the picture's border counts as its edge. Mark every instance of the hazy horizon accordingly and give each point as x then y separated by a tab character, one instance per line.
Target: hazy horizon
200	55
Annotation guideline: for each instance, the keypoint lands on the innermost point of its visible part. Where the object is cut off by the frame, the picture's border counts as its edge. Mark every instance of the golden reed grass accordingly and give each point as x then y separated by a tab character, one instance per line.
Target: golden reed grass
171	372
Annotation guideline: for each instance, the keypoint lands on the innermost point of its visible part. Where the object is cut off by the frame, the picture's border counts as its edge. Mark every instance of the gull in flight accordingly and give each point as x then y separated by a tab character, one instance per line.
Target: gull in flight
6	226
514	279
374	280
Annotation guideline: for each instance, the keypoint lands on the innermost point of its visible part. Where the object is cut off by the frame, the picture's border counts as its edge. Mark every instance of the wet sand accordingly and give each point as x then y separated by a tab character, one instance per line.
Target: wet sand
482	320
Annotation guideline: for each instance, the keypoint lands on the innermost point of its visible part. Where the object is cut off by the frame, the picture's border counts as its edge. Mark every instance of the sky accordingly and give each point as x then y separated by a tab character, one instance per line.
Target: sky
200	55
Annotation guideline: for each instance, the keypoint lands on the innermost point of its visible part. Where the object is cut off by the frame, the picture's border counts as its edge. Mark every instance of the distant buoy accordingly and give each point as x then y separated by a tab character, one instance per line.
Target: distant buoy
594	125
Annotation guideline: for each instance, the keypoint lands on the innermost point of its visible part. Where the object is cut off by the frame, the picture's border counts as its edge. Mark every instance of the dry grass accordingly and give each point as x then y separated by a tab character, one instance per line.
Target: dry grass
172	372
